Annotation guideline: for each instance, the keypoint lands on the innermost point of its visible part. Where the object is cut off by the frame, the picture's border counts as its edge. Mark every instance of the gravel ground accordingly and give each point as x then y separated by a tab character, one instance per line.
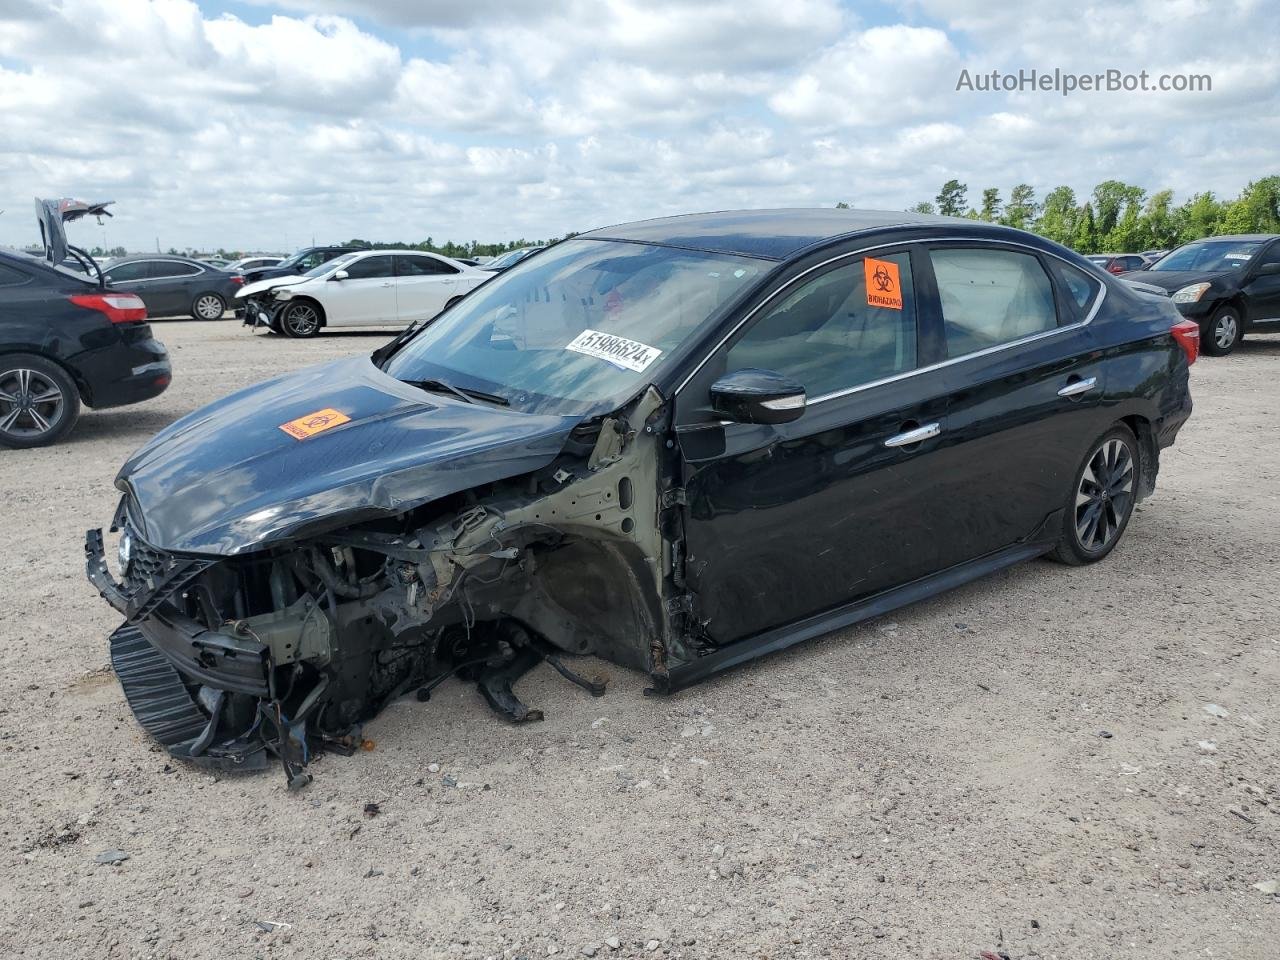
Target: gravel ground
1030	765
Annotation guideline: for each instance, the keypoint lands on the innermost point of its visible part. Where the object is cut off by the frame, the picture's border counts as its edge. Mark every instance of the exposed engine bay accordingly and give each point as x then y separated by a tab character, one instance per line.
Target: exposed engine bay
287	651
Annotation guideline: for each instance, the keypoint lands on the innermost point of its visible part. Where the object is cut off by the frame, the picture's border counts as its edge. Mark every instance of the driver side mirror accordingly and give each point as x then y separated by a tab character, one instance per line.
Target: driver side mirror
1269	269
757	396
340	275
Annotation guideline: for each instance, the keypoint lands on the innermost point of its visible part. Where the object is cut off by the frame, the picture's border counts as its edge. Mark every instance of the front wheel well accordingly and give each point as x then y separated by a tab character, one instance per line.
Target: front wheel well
324	319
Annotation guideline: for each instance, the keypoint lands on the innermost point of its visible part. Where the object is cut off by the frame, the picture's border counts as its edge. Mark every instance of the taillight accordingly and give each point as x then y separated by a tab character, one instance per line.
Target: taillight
1187	333
237	280
119	307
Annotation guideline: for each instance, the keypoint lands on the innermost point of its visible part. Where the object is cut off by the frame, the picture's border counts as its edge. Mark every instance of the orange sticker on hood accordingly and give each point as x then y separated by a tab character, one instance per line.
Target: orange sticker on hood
314	423
883	286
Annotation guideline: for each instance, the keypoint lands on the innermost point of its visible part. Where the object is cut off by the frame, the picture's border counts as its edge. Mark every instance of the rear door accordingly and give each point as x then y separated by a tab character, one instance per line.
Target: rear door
366	297
132	277
424	284
1024	389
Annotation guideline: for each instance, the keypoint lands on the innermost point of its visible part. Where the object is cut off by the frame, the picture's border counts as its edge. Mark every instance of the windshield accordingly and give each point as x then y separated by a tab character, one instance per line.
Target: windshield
507	259
585	321
328	266
1210	255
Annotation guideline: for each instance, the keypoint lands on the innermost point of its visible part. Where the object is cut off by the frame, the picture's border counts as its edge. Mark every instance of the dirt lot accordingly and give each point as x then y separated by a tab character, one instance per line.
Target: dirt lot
1025	765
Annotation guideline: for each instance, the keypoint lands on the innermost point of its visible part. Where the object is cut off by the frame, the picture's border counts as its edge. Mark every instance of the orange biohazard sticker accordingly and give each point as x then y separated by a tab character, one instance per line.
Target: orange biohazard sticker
314	423
883	288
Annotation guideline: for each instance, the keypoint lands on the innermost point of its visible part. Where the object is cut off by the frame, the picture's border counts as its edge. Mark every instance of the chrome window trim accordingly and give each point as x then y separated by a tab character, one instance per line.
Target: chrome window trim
176	276
862	251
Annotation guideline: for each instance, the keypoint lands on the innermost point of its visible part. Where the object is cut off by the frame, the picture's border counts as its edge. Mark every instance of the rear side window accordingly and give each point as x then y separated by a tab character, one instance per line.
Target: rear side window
1081	289
422	267
161	269
11	276
369	267
851	325
990	297
128	271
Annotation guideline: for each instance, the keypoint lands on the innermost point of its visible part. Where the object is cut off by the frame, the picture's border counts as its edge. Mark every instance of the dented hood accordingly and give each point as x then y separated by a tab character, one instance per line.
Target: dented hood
260	286
320	449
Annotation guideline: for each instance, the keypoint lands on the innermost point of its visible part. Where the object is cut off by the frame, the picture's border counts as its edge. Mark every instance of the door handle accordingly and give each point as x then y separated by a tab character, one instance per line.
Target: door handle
1077	387
926	432
387	284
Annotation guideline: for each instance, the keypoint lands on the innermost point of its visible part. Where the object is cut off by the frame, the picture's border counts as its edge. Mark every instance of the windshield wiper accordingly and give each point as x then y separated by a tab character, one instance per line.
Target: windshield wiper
462	393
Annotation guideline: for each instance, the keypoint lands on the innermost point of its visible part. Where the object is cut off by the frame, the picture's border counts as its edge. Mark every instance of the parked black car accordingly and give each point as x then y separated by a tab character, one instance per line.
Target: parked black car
174	286
1118	262
67	340
1228	285
302	261
676	444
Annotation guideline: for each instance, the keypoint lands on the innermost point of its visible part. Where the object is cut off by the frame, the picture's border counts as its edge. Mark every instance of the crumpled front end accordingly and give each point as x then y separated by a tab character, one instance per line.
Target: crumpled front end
243	659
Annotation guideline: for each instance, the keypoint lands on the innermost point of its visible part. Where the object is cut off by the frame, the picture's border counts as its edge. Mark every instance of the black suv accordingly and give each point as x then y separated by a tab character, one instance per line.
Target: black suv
1229	285
66	338
300	262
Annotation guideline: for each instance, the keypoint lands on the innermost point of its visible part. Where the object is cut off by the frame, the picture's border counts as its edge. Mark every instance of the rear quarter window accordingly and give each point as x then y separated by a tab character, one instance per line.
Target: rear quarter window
1080	290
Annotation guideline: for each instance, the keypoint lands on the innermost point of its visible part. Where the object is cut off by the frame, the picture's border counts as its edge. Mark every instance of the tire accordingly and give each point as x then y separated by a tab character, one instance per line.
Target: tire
1102	498
1223	332
208	306
25	420
302	319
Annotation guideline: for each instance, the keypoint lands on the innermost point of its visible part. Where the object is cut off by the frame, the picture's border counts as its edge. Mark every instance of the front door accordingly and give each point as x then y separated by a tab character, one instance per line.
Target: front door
366	296
170	287
1263	290
790	520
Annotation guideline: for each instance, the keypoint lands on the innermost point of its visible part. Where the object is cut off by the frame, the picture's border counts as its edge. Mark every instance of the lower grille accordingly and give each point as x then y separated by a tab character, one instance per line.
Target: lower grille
155	692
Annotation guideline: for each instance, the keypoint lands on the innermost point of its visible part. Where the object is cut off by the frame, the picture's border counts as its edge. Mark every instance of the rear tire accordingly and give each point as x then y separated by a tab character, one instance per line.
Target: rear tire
1223	332
1102	498
208	306
39	402
301	319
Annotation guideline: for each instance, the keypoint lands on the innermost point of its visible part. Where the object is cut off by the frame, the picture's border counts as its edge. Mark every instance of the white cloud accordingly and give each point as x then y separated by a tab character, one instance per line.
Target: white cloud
408	118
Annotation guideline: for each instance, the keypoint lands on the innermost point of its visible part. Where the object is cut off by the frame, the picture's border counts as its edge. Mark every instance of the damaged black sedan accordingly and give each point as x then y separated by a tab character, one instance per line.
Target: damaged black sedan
675	445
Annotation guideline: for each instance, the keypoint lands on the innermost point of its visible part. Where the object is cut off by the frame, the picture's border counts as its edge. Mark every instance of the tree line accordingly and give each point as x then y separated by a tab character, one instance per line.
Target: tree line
1116	217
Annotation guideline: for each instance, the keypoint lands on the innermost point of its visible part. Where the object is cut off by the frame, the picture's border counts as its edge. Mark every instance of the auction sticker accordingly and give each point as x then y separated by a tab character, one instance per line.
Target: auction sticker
621	352
883	288
314	423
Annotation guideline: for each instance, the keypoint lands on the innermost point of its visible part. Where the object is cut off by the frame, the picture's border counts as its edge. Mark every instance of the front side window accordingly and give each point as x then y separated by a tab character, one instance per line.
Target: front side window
990	297
329	266
583	322
369	268
851	325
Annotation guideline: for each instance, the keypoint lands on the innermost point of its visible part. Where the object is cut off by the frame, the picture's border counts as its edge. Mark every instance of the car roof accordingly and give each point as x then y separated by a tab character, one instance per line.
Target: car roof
1236	237
773	234
168	257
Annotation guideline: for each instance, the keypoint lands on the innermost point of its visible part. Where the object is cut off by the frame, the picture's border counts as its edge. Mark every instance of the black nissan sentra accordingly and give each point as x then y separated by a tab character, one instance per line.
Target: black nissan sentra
675	444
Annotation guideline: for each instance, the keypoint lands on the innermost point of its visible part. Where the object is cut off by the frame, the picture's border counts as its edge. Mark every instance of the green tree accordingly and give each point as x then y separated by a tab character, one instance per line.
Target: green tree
1110	198
951	198
1059	215
1159	228
1256	210
991	205
1198	217
842	205
1085	238
1020	211
924	206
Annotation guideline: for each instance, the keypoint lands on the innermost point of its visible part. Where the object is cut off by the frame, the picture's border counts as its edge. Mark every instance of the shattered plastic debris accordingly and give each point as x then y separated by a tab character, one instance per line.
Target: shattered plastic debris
112	857
1216	711
1269	887
270	926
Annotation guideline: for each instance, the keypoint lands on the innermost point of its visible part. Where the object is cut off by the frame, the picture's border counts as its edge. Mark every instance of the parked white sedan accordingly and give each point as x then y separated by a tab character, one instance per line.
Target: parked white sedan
376	288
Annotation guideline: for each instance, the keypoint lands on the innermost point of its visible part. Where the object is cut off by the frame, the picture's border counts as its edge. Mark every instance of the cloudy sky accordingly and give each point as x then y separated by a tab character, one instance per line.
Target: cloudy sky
259	124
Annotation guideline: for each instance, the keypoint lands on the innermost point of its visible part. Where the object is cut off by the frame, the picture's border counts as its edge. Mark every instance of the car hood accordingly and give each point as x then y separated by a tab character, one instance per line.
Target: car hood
1172	280
227	479
261	286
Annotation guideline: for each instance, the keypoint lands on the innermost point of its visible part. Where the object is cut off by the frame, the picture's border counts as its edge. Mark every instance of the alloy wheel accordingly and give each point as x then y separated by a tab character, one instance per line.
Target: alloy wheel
209	307
303	320
31	404
1105	495
1224	331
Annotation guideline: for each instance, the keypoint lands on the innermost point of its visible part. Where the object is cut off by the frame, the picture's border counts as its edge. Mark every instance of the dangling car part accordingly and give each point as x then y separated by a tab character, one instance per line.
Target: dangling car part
673	445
